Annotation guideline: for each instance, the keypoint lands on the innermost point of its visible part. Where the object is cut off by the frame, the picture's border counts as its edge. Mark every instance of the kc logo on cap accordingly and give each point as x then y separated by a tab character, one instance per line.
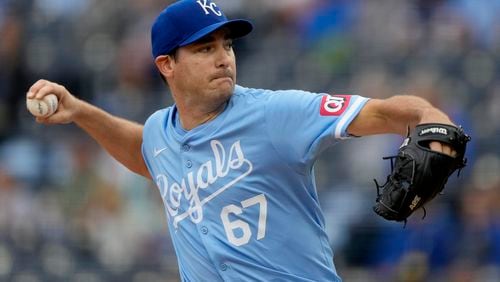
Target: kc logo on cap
186	21
211	7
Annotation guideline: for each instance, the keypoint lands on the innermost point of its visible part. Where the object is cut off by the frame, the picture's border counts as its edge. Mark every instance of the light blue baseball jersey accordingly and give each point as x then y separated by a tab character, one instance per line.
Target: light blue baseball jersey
239	191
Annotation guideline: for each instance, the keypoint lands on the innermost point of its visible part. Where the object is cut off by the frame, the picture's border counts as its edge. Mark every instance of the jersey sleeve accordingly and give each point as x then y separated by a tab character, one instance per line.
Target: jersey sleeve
302	124
152	137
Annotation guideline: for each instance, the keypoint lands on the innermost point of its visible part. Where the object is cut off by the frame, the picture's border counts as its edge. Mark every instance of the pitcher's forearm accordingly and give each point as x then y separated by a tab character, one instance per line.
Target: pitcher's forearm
395	115
121	138
406	110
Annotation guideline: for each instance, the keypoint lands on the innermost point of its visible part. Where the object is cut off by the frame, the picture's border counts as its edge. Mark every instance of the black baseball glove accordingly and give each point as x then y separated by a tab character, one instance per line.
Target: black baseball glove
419	173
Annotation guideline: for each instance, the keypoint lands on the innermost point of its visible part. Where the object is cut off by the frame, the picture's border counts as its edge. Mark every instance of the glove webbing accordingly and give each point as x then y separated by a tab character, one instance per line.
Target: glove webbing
378	186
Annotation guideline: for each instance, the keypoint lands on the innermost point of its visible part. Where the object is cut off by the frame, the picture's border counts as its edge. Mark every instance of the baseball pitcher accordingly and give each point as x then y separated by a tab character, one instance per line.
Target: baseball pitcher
234	165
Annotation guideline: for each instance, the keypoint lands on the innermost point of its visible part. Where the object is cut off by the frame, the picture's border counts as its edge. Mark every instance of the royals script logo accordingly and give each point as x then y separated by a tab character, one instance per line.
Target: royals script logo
224	164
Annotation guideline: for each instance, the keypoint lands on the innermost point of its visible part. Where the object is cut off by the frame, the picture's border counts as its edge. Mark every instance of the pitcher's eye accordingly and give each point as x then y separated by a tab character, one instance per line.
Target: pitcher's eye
205	49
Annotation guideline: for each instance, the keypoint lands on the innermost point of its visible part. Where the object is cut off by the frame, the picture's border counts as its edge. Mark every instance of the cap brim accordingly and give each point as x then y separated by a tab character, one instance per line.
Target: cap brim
237	28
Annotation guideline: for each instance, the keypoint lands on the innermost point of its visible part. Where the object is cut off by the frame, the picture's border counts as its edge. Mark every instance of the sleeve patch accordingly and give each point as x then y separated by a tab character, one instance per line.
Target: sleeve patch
334	105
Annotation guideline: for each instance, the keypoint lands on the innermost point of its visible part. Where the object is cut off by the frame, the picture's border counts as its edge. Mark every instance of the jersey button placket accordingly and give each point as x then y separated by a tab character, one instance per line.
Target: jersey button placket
184	149
204	230
223	266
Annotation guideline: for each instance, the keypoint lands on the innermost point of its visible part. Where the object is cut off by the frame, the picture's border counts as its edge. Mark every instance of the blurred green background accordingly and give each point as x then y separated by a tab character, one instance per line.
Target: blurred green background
68	212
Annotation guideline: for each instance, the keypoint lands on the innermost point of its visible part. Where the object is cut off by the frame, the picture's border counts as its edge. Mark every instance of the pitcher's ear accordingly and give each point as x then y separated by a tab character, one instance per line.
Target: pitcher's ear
165	64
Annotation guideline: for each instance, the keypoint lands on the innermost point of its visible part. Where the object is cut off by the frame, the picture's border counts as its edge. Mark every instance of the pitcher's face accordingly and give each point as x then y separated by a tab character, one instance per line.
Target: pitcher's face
205	70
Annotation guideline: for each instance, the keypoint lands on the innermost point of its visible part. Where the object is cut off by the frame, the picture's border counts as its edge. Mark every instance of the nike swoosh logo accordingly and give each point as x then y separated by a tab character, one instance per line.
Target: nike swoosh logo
157	152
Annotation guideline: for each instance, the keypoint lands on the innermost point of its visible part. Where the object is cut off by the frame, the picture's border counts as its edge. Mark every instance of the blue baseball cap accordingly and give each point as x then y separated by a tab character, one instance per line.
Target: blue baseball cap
187	21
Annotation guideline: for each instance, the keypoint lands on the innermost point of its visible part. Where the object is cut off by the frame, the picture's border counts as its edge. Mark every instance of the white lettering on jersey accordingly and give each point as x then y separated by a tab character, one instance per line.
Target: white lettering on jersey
207	174
206	6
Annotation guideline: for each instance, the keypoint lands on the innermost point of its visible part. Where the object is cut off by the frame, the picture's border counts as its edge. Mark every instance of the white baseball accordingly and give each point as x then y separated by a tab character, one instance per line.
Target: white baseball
42	107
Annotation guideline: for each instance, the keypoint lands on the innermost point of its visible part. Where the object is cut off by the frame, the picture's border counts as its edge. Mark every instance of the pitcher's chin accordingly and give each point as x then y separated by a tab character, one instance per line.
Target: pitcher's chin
224	85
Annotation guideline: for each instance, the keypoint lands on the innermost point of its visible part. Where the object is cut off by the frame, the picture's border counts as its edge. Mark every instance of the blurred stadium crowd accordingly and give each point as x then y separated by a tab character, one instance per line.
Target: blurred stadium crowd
68	212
